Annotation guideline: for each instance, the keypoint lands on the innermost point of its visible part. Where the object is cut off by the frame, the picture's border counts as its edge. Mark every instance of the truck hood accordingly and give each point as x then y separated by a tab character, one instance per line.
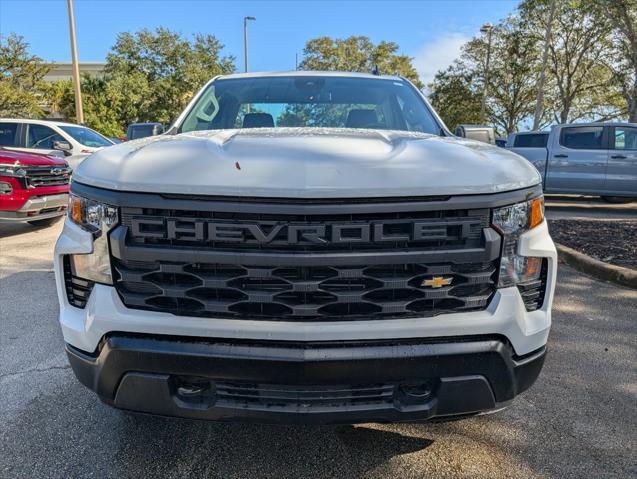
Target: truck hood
29	159
307	163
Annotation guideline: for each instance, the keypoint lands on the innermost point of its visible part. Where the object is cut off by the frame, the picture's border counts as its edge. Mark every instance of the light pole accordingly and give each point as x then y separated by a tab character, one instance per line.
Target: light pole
487	29
540	87
245	40
79	111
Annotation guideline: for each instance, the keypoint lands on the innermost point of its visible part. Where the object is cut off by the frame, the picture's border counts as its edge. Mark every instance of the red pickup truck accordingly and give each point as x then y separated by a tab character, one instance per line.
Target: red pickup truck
33	187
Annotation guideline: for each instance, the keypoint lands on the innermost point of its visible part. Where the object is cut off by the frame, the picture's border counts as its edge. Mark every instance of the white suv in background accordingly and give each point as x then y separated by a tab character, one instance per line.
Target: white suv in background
75	142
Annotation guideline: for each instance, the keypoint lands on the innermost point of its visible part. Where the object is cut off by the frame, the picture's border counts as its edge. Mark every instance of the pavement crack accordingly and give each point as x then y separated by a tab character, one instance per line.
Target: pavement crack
33	370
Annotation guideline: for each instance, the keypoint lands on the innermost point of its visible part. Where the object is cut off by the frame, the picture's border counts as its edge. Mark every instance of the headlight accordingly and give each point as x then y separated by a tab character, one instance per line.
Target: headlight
512	221
5	188
97	218
12	170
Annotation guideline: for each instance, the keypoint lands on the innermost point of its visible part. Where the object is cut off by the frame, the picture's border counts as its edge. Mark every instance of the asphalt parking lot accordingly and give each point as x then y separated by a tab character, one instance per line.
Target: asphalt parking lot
579	420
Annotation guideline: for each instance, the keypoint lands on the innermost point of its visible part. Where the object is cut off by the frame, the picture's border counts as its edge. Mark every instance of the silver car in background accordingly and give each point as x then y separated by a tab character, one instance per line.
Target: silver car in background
597	159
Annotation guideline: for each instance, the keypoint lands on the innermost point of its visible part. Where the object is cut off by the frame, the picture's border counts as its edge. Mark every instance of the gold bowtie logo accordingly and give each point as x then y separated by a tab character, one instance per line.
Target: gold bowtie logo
437	282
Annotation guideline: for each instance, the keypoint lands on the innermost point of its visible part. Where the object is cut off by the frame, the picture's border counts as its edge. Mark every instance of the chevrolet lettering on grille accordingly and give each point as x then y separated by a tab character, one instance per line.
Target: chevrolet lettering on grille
202	231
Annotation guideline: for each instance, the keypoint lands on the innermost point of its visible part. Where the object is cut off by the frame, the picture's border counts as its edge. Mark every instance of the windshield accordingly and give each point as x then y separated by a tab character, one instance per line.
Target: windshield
86	136
307	101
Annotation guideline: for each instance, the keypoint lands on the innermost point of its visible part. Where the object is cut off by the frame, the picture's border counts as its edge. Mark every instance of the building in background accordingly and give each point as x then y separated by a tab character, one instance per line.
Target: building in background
64	71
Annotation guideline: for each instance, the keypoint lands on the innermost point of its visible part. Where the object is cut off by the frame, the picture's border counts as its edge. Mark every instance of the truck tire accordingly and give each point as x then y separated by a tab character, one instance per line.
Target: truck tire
618	199
44	222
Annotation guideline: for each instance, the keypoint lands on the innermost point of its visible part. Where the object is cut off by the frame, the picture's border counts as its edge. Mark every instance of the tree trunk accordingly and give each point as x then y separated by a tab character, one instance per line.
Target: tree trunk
632	103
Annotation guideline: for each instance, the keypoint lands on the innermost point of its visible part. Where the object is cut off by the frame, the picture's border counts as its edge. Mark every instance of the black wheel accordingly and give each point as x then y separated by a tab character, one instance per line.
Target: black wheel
618	199
44	222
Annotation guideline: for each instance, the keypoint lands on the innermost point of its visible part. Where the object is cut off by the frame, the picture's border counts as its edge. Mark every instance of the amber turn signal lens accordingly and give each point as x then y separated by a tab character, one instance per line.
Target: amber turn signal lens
537	211
533	266
75	209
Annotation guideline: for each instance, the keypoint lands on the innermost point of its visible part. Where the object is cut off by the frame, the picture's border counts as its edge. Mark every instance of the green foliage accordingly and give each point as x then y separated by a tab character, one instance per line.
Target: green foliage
100	101
578	50
514	69
159	72
357	54
149	76
621	16
20	78
56	95
454	95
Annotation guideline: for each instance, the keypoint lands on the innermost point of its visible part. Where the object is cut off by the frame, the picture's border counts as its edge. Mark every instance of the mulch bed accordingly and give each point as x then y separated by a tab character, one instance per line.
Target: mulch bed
613	242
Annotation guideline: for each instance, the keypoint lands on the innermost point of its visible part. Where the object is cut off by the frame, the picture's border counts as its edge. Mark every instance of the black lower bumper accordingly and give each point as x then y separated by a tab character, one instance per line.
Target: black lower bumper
380	381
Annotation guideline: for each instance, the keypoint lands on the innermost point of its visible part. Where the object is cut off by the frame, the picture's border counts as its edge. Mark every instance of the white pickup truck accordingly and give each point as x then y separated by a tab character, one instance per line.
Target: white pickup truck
594	159
306	247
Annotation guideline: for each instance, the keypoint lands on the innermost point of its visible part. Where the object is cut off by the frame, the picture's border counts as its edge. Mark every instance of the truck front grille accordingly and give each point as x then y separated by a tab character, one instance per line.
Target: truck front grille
304	293
40	176
305	267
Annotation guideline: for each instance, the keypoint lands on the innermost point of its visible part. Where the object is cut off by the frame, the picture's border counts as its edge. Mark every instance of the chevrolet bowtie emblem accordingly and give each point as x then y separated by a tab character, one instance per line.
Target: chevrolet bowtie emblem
437	282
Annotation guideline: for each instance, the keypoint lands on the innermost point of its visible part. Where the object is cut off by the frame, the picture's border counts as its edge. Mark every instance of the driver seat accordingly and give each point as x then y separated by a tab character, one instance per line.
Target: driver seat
258	120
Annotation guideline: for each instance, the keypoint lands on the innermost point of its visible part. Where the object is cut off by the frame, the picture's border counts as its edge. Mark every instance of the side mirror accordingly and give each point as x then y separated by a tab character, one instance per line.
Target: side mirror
63	146
485	134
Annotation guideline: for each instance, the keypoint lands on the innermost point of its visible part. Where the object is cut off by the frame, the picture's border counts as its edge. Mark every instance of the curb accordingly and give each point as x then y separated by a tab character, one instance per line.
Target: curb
598	269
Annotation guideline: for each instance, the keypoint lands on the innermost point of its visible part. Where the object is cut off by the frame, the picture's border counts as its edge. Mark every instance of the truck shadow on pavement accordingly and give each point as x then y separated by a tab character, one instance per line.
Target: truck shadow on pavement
242	450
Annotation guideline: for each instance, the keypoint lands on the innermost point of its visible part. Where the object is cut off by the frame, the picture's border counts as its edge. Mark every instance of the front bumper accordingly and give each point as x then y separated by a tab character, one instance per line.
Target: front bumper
38	208
315	382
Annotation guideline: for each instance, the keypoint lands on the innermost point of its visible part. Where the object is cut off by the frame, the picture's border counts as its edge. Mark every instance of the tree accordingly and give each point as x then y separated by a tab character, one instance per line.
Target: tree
622	18
55	95
159	72
513	72
455	96
590	74
102	103
357	54
578	49
20	78
456	92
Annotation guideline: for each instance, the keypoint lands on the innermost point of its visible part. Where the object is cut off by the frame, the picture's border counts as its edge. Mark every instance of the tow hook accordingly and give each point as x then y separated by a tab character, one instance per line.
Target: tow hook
191	390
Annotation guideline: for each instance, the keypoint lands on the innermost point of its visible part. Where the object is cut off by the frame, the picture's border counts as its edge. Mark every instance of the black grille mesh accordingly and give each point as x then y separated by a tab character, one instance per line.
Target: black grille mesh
303	293
271	291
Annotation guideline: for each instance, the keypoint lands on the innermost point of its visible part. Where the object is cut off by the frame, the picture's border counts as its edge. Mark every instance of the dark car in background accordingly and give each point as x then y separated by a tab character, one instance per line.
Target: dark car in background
136	131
